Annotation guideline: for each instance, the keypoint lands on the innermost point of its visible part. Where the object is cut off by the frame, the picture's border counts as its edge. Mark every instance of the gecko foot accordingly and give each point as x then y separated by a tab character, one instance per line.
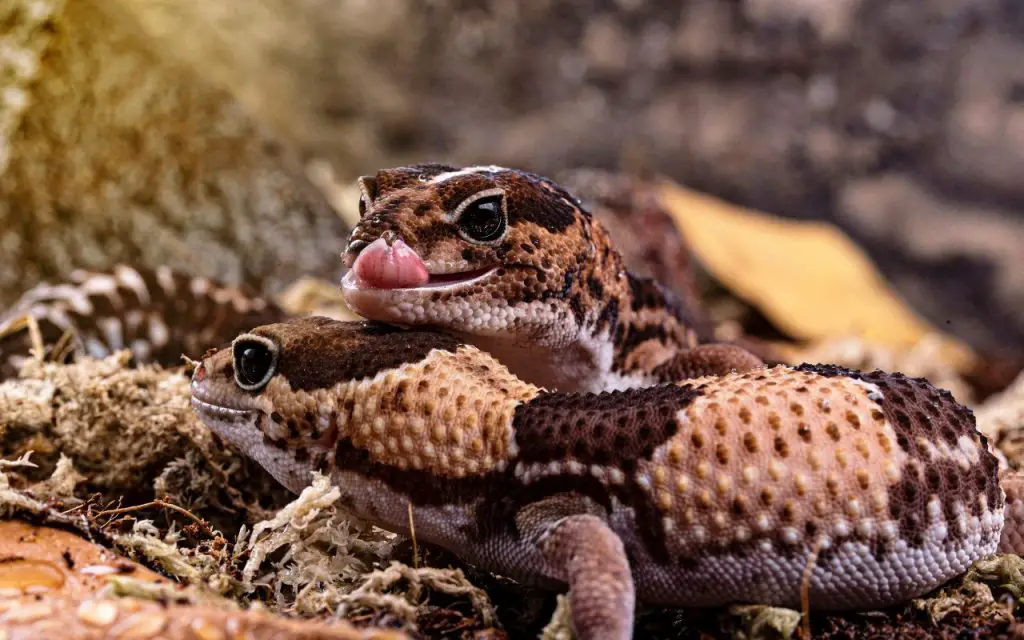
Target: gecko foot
708	360
597	570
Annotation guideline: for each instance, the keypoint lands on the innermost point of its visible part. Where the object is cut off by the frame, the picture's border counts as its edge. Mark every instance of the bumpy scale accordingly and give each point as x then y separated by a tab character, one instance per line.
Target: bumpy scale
510	262
716	490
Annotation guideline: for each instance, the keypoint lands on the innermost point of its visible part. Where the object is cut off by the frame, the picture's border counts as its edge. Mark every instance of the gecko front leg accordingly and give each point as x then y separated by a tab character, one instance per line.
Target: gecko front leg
707	360
582	551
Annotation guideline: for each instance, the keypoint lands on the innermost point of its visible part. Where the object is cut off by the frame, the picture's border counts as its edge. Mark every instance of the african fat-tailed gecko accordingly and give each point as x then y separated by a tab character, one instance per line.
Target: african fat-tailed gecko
716	490
510	262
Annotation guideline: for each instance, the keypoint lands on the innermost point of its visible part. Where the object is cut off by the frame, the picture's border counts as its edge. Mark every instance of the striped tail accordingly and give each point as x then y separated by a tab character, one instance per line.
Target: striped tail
159	315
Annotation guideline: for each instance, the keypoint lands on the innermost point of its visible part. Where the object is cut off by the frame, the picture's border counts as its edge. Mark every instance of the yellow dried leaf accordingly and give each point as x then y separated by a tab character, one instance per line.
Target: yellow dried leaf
807	277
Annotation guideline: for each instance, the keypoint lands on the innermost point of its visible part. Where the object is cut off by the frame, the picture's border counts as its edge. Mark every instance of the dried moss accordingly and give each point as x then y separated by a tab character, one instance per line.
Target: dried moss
14	502
979	592
132	434
560	626
761	622
323	555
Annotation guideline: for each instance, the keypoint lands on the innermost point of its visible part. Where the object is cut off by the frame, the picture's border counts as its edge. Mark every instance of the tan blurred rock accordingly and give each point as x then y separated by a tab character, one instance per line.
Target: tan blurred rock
112	151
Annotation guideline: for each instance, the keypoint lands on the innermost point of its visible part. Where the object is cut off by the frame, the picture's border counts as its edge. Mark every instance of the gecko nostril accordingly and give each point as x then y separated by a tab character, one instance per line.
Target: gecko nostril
357	245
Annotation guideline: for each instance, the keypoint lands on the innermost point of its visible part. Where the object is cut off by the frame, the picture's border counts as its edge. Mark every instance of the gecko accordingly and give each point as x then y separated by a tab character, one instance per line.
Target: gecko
511	262
158	315
562	310
875	486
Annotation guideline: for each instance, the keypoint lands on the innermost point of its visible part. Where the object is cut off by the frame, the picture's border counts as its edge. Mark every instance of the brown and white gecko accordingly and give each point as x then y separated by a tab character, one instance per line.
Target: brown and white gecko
875	486
512	263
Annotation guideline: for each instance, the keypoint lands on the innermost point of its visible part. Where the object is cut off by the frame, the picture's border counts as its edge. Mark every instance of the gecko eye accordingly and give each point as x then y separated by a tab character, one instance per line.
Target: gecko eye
255	360
482	218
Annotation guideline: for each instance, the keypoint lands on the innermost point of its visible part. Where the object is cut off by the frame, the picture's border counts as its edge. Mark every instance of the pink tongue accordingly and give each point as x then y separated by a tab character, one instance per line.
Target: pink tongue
380	266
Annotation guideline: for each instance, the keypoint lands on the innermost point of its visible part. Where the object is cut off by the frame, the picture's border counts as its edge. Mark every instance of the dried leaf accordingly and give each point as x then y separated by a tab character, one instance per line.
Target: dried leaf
807	277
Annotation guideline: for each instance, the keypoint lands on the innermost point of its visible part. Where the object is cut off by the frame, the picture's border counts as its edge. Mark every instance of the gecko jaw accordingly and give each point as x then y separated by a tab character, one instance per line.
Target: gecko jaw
217	411
222	408
393	305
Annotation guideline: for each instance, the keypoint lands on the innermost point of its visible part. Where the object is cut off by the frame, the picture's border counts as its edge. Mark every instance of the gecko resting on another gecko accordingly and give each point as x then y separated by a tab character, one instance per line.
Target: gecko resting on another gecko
510	262
875	486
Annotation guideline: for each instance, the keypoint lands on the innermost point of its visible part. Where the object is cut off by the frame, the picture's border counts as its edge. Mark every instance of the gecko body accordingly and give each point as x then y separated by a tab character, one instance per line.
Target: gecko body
511	262
711	491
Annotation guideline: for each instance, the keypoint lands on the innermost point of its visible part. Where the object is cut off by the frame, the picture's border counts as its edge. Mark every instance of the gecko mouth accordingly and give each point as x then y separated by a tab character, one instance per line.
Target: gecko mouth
459	277
389	264
237	425
215	406
434	281
240	426
219	411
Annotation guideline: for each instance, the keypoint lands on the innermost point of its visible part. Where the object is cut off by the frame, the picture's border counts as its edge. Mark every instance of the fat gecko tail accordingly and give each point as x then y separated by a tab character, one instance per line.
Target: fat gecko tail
1012	538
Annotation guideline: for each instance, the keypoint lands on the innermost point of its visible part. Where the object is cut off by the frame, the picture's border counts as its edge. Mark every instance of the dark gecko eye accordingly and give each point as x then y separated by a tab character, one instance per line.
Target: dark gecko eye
482	218
255	359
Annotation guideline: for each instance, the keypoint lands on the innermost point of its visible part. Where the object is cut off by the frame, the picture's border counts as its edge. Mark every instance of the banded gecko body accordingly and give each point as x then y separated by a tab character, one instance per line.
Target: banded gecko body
159	315
510	262
875	486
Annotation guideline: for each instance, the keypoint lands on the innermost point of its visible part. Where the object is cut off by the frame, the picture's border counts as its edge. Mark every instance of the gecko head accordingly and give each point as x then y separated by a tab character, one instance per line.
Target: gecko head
278	393
479	250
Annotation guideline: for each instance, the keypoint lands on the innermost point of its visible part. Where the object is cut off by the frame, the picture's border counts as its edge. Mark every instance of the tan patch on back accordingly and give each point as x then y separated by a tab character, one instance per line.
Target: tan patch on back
776	455
450	414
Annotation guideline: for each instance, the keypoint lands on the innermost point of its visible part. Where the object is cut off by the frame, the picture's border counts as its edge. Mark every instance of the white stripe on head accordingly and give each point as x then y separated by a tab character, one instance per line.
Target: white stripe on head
466	171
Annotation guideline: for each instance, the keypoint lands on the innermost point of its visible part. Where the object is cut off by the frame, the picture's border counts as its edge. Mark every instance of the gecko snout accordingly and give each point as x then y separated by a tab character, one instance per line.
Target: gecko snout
353	250
389	263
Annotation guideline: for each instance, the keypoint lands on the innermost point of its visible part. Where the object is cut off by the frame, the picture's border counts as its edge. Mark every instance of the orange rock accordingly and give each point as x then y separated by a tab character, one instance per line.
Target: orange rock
50	581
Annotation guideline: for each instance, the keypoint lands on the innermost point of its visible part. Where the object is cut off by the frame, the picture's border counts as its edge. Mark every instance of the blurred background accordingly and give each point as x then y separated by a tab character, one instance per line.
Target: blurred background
202	134
223	138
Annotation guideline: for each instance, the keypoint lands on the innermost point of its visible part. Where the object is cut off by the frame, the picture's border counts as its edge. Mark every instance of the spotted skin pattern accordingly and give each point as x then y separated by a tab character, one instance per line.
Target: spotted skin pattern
158	315
550	297
711	491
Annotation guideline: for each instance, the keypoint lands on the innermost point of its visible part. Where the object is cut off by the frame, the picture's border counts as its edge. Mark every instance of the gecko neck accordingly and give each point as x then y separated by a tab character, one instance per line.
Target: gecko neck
618	330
